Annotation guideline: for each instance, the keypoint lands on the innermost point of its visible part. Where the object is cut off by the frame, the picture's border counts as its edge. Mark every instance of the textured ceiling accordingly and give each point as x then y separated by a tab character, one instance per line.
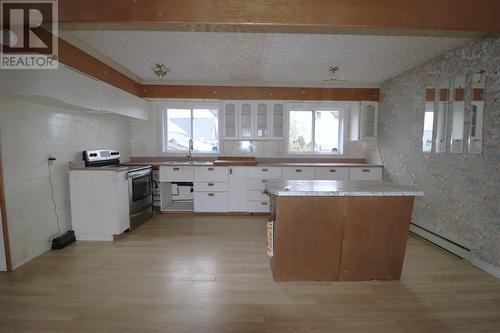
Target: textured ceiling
264	58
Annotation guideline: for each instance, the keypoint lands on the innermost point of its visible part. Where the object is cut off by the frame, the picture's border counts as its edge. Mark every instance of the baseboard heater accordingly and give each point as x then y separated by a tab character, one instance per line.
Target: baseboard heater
446	244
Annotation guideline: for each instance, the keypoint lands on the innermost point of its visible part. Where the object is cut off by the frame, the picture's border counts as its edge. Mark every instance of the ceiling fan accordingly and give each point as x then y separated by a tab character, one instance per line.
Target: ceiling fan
160	70
333	71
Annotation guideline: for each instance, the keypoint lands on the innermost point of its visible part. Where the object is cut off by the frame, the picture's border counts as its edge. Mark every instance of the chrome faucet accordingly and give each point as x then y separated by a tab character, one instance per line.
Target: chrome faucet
190	153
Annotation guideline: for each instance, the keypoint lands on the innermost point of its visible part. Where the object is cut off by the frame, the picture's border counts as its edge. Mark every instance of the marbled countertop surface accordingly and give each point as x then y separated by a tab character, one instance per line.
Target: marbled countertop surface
340	188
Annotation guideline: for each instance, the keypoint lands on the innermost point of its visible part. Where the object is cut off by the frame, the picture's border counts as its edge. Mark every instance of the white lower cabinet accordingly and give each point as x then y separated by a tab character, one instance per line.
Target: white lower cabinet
258	177
259	206
211	202
365	173
176	173
299	173
333	173
211	189
99	204
238	199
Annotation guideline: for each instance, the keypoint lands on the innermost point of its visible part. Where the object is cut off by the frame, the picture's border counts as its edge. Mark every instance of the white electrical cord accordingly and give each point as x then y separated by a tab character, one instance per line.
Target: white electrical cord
54	203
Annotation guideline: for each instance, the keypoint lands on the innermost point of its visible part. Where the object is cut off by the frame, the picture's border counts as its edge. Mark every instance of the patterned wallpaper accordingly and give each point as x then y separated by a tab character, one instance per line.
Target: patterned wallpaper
462	201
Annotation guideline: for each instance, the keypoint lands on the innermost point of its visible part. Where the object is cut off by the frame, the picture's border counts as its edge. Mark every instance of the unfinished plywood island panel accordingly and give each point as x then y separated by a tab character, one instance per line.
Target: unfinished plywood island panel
340	231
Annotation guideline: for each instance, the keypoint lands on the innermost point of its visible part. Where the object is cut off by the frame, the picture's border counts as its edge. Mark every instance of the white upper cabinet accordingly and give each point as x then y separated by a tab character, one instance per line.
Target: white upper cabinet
246	120
249	120
136	108
277	120
363	124
81	90
262	121
112	100
230	120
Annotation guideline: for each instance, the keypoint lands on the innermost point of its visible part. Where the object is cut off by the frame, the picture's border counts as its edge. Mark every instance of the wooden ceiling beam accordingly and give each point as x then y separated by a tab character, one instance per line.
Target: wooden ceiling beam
258	93
404	15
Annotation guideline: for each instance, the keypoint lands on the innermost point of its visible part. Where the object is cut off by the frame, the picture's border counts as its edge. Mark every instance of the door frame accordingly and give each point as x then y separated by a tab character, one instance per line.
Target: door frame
3	208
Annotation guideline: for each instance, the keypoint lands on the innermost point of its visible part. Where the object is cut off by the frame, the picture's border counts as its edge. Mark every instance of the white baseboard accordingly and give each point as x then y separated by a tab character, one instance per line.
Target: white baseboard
456	249
486	266
441	242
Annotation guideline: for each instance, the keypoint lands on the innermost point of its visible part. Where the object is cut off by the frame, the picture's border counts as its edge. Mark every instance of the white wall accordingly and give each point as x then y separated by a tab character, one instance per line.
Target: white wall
146	142
29	133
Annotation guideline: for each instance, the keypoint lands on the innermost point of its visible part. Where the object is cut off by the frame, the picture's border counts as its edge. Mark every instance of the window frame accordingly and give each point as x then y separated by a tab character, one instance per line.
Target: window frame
188	105
312	108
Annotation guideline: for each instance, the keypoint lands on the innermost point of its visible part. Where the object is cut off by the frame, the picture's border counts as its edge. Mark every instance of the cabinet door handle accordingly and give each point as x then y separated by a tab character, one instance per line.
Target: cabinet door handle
264	180
265	170
366	170
298	170
210	169
176	169
211	194
231	171
210	184
263	203
332	170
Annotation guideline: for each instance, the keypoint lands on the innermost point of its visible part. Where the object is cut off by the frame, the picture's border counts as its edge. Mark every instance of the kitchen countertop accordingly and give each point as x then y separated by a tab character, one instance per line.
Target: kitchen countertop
340	188
156	164
80	166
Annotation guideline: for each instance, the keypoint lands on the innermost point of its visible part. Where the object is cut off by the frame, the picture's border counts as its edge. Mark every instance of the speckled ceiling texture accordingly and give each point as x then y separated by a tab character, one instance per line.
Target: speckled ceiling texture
462	201
260	58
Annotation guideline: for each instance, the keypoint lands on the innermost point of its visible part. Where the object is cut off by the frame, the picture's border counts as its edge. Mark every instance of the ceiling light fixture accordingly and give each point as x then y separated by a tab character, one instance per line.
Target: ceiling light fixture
333	71
160	70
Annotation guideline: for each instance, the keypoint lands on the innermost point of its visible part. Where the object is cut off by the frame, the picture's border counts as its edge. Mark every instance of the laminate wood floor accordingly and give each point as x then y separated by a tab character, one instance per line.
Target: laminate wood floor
211	274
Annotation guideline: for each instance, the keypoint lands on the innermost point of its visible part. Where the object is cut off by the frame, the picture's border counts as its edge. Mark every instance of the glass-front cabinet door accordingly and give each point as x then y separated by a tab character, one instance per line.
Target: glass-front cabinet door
278	120
230	115
262	121
246	120
368	120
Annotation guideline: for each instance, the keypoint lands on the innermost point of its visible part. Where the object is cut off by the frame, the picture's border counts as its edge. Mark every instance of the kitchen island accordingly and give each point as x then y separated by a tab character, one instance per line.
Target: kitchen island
339	230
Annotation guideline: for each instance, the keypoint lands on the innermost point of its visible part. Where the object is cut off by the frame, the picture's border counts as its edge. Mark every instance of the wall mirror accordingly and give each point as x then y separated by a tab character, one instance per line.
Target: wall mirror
458	115
475	141
443	97
430	96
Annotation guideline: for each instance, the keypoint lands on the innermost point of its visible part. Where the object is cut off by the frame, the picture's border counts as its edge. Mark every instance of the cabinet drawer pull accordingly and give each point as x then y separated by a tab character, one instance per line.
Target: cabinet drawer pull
263	203
366	170
332	170
264	180
211	184
210	169
177	169
265	170
298	170
211	194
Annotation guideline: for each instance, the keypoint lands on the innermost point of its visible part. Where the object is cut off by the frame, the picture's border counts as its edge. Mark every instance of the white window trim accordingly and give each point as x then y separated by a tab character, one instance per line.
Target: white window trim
194	104
318	106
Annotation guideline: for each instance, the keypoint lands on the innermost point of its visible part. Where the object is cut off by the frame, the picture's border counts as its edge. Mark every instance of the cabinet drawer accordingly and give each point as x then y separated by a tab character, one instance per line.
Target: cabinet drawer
176	174
210	202
257	196
259	206
333	173
368	173
299	173
210	187
260	184
211	174
264	173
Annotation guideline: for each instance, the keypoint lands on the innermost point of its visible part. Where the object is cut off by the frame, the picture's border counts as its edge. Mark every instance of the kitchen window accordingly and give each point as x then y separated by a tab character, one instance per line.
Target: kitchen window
182	124
316	131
